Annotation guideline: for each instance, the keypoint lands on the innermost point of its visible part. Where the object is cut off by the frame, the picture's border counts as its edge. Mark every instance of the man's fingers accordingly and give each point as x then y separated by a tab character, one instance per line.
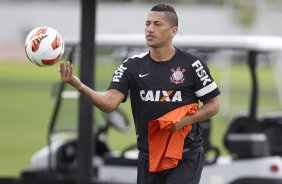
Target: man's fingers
62	68
172	129
65	70
68	70
177	126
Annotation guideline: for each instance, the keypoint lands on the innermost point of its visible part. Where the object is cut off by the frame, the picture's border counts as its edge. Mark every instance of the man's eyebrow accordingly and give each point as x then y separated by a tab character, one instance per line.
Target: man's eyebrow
154	21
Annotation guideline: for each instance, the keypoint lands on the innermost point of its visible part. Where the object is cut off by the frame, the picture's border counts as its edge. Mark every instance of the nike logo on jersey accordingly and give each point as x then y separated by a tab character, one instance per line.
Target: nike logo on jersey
201	73
143	75
161	96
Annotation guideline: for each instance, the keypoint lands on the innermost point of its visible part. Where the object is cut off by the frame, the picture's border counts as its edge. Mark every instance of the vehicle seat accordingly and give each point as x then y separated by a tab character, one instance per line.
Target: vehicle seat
272	126
246	141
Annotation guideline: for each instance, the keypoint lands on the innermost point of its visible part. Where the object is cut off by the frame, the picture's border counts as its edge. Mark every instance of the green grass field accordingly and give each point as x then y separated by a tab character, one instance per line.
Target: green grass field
26	105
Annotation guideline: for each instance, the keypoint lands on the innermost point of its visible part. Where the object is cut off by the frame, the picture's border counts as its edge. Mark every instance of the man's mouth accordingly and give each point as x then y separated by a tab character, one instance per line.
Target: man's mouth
150	36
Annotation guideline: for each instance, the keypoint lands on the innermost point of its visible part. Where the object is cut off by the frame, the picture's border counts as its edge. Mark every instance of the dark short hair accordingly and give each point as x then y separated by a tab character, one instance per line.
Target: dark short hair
169	12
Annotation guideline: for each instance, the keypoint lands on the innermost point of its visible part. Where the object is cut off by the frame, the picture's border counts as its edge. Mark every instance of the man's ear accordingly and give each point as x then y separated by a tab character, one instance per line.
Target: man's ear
174	31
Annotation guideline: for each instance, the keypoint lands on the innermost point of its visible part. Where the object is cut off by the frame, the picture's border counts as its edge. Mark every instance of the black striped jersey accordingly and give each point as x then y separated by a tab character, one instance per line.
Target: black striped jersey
156	88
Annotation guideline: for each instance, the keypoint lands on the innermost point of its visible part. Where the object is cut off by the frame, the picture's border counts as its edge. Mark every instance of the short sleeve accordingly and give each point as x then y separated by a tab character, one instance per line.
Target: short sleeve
120	80
205	86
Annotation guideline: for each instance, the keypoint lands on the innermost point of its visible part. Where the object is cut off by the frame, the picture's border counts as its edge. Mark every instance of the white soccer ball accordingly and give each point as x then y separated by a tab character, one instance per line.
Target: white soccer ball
44	46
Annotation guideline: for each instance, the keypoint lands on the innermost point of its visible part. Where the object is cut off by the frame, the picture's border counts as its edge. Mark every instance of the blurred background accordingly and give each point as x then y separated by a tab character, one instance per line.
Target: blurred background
27	91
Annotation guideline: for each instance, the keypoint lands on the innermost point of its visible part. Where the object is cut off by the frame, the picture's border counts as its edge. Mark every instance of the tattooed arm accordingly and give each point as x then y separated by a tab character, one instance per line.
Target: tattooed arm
209	109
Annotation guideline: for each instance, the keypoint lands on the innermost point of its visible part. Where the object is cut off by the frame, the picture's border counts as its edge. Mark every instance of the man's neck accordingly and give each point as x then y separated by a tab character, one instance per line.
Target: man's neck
162	54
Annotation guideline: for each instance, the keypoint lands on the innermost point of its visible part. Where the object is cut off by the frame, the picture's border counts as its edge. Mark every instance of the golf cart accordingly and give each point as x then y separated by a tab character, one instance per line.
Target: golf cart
253	142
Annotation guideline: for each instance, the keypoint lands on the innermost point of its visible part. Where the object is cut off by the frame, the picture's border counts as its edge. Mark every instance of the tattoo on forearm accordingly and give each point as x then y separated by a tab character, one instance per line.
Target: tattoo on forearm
207	111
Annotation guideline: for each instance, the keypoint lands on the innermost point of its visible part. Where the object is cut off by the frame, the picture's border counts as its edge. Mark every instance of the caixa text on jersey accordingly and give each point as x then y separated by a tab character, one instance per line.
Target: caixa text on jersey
161	96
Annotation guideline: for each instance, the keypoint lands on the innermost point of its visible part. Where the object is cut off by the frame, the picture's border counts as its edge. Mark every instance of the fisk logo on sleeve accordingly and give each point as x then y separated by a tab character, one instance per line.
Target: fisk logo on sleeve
119	73
201	73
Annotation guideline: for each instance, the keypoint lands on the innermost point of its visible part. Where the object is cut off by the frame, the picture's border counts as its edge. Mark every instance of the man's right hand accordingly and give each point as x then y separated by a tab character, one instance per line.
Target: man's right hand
66	71
105	102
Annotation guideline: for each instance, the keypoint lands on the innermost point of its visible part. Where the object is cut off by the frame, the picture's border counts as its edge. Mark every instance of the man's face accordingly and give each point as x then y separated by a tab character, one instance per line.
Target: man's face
158	30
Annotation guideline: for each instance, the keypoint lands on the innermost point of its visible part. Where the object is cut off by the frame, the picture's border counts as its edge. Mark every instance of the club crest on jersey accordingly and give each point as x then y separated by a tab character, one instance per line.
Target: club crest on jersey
177	76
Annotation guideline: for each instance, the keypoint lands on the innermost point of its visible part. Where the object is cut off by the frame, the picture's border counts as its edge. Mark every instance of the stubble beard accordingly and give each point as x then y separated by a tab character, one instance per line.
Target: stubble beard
153	45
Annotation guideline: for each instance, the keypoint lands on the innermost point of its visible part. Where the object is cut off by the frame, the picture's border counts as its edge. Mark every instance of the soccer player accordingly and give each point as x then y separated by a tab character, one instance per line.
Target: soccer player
161	80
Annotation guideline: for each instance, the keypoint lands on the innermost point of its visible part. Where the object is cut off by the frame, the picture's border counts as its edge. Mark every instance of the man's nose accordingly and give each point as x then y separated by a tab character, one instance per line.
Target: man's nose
150	28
